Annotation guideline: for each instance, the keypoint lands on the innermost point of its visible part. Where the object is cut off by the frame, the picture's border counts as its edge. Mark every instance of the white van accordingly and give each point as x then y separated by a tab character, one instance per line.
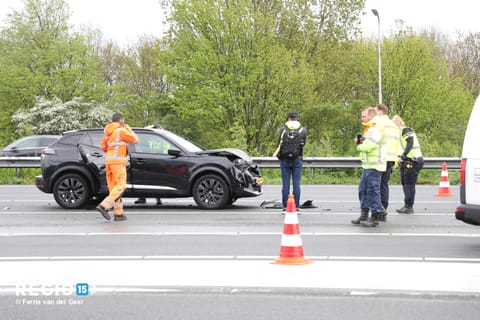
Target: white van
469	210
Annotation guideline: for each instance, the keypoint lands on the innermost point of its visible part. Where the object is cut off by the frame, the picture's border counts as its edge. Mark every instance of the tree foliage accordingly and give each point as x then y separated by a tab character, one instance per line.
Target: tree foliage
246	63
52	116
137	83
230	70
39	56
465	61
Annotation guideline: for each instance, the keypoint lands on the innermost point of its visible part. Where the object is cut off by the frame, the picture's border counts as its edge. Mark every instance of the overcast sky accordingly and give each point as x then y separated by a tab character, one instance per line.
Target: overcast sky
448	16
126	20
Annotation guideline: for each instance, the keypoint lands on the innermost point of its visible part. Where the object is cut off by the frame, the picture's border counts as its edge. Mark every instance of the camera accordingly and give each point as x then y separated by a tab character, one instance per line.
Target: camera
358	139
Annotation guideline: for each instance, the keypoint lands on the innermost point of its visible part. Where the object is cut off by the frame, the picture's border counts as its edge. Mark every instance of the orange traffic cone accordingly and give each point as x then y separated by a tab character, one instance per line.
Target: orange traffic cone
291	249
444	188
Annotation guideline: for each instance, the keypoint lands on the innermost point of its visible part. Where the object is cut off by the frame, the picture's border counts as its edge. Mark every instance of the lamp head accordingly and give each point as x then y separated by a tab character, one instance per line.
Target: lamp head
375	12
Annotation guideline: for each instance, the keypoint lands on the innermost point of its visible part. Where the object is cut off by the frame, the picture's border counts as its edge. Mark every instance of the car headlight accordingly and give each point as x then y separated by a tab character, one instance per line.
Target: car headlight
239	162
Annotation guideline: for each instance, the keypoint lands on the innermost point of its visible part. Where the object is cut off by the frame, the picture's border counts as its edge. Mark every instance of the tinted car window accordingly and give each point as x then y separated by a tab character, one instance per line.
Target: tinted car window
150	143
187	145
71	139
28	143
45	141
96	138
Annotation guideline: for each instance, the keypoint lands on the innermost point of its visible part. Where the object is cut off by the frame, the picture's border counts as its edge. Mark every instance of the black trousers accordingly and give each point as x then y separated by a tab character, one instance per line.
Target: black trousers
384	189
408	178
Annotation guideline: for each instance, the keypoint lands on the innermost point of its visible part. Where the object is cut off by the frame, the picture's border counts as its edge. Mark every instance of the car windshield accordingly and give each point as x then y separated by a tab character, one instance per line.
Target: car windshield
184	143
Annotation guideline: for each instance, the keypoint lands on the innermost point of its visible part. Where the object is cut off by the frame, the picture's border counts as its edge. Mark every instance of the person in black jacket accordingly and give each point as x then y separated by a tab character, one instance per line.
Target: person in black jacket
292	137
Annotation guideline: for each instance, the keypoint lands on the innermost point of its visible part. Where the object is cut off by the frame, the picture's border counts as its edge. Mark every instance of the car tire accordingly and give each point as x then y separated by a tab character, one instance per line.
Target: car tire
71	191
211	192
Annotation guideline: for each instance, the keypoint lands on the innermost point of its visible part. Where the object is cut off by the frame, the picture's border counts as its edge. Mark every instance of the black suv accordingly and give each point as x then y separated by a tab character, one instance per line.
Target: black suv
162	164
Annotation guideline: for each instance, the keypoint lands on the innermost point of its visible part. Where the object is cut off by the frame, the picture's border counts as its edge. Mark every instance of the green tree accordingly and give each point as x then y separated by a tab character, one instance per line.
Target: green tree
39	56
246	63
137	81
464	61
418	86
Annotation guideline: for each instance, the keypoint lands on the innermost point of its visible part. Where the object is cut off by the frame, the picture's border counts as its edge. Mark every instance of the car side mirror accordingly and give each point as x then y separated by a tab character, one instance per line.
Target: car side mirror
173	152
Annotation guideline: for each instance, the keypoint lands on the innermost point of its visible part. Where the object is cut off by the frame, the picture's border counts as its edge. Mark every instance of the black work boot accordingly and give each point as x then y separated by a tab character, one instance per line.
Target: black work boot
363	217
103	211
372	221
405	210
382	216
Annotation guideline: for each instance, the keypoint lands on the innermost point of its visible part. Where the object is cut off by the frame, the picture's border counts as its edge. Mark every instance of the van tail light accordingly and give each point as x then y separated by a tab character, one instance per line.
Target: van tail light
463	168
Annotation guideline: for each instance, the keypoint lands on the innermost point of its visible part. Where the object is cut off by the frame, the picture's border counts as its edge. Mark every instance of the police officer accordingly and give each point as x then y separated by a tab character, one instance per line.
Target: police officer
391	143
411	162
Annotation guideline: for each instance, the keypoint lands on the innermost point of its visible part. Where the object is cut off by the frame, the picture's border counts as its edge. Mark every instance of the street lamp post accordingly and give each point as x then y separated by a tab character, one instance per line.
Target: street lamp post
375	12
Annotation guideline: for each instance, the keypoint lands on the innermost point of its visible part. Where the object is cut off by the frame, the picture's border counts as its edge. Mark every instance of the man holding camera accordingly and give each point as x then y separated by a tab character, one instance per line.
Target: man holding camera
373	163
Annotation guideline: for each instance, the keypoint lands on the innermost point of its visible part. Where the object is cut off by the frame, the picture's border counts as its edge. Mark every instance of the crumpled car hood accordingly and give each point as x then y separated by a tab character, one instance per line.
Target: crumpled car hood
228	151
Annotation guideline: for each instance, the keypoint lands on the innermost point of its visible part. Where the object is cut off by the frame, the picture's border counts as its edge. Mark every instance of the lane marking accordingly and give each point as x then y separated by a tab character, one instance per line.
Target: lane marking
235	233
275	212
235	258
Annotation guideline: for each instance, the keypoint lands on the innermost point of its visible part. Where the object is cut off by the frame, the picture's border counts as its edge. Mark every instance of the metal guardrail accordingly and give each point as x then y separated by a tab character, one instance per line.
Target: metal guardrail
19	162
350	162
264	162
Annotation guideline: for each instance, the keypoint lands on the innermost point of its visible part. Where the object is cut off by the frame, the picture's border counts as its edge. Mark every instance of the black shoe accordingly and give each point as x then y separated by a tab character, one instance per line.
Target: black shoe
140	201
120	217
104	212
405	210
371	222
382	216
363	217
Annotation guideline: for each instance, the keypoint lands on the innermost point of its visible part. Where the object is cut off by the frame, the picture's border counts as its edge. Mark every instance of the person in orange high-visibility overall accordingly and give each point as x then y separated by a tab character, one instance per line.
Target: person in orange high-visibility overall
115	141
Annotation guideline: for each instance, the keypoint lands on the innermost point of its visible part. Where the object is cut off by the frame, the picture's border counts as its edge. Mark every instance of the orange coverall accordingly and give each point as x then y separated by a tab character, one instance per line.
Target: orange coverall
114	143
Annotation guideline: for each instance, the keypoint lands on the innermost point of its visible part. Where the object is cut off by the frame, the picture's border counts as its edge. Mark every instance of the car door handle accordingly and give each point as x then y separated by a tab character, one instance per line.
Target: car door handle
96	155
139	161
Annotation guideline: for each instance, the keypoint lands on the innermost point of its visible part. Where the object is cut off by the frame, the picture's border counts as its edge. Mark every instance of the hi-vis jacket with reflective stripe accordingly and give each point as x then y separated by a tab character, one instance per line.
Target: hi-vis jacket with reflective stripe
115	143
391	139
410	145
372	152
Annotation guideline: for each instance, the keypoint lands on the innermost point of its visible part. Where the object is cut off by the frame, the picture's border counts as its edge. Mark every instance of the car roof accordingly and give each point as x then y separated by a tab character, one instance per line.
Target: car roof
137	129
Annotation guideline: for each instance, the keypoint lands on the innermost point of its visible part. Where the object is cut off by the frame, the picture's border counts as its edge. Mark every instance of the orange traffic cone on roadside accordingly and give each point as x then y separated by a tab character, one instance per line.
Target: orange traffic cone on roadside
291	248
444	188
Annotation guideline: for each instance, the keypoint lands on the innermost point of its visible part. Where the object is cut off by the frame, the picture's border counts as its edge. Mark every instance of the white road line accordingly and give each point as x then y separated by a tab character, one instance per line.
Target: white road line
235	258
307	234
399	275
275	212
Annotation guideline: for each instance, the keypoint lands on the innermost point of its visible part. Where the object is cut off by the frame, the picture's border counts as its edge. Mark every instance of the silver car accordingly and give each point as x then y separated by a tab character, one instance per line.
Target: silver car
30	146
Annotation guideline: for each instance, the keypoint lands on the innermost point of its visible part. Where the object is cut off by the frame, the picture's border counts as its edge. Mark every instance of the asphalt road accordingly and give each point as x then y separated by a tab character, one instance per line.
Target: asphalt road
178	262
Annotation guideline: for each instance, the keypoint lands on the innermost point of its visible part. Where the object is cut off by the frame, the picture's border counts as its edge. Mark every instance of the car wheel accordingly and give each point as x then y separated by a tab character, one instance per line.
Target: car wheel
71	191
211	192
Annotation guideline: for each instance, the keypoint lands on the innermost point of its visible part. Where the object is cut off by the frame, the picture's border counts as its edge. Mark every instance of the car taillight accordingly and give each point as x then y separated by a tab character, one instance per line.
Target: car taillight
463	169
48	151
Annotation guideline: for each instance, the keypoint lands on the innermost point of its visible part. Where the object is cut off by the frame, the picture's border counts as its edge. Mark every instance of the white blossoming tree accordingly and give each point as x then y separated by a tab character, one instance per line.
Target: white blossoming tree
52	116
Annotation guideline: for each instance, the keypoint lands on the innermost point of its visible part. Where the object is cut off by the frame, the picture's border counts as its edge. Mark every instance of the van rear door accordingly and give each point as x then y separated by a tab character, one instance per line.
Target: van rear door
471	156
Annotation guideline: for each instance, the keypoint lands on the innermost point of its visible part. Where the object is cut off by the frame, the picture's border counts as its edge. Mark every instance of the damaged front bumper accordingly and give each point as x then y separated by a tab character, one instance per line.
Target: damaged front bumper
249	179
